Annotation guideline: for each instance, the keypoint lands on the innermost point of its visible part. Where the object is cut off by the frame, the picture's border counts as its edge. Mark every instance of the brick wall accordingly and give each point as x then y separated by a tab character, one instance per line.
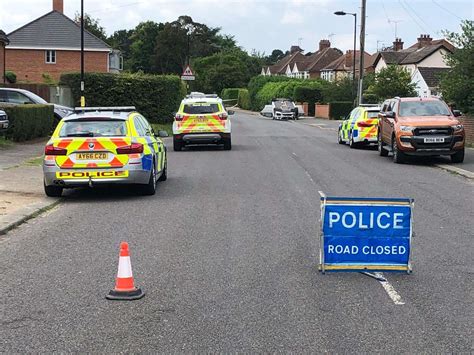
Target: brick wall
29	65
1	62
468	122
321	111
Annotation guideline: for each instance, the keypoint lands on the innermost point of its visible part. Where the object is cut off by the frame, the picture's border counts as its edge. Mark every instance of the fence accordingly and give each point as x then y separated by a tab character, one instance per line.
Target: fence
468	122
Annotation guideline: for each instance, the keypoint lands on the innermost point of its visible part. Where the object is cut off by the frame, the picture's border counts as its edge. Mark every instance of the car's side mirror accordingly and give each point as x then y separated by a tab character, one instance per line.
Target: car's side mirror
390	114
162	134
230	112
457	113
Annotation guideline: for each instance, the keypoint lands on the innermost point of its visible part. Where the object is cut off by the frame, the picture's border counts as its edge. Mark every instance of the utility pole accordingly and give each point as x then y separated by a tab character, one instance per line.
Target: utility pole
83	99
362	45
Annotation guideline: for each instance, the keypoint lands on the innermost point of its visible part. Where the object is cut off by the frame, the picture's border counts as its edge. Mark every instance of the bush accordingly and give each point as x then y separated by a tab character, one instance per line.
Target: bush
244	99
309	95
11	77
230	94
257	83
157	97
29	121
340	109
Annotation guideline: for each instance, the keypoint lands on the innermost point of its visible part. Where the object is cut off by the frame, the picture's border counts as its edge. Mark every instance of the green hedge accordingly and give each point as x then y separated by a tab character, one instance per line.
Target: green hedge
29	121
257	83
230	94
157	97
340	109
311	95
244	99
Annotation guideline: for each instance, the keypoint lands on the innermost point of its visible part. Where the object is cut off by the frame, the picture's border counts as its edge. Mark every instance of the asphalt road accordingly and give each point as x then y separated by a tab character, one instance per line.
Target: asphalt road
227	254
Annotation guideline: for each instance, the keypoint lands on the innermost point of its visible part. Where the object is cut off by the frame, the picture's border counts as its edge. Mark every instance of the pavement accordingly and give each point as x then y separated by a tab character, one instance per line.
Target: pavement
227	253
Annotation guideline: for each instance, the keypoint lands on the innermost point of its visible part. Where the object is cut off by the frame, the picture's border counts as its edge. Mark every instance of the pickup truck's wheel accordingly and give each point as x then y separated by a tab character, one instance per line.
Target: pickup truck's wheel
53	191
382	151
339	138
458	157
398	157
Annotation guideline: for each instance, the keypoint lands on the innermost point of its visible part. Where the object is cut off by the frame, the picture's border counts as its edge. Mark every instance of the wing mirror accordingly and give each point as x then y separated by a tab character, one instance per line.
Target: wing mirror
390	114
162	134
457	113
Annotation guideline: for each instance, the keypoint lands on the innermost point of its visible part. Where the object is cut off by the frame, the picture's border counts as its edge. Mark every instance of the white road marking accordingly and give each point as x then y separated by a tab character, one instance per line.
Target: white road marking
393	294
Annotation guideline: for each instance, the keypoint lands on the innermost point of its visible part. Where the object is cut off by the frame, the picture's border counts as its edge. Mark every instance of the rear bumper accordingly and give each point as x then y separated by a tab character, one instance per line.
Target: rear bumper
202	138
136	175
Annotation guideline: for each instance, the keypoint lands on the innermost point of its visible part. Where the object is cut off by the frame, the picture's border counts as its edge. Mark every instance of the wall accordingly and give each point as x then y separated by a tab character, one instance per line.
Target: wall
321	111
468	122
29	65
436	60
380	65
1	62
421	88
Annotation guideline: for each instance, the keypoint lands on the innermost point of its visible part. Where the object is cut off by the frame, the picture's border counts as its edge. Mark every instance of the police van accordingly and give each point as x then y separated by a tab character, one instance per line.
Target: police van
202	119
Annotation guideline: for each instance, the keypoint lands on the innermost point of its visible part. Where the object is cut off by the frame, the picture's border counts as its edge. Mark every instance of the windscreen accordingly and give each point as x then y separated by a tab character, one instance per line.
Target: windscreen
423	108
372	114
198	108
91	128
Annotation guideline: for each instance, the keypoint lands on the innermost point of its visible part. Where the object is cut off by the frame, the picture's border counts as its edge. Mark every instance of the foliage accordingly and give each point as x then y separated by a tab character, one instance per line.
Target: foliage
244	99
29	121
122	41
257	83
142	47
340	109
457	85
241	97
276	55
230	94
392	81
231	68
47	79
157	97
168	127
308	94
92	25
10	76
339	90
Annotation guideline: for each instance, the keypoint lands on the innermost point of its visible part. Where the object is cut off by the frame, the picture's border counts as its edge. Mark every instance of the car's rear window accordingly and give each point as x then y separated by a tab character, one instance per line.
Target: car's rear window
197	108
423	108
92	128
372	114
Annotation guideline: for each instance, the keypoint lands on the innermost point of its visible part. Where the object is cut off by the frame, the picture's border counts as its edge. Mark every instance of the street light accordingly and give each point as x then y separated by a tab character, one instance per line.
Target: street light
83	100
343	13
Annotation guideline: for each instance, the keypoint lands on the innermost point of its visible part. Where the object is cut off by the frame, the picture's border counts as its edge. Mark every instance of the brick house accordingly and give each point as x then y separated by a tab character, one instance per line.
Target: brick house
342	67
297	65
51	45
3	42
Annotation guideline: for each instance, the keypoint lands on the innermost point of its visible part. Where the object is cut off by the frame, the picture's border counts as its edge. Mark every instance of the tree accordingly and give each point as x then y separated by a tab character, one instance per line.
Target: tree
392	81
92	25
122	40
457	85
142	47
276	55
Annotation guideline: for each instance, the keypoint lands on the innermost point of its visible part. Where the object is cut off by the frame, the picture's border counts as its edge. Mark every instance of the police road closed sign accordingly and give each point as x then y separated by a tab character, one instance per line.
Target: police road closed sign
360	234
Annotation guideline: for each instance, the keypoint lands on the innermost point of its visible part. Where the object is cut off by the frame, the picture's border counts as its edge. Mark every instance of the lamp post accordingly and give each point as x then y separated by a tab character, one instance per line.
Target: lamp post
83	99
343	13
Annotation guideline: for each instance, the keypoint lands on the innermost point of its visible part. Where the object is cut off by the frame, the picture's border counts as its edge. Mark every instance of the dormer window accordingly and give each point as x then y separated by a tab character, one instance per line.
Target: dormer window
50	56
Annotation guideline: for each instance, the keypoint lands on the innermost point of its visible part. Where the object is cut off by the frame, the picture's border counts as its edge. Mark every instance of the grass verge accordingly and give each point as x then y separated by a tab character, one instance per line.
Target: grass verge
4	143
168	127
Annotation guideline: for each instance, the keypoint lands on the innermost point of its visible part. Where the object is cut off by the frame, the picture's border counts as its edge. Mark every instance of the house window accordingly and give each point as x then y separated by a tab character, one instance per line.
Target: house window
51	57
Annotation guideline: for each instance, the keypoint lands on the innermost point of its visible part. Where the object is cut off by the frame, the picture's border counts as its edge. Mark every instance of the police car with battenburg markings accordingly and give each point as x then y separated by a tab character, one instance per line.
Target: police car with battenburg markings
104	145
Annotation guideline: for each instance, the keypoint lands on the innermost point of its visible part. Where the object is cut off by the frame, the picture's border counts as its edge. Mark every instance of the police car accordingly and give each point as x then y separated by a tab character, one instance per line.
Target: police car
202	119
360	126
104	145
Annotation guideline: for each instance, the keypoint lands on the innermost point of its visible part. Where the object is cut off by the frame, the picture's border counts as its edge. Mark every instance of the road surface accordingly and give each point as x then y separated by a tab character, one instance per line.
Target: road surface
227	252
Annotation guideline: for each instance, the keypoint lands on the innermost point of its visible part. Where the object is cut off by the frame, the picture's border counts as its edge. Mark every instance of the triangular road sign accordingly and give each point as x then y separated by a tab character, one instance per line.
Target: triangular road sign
188	71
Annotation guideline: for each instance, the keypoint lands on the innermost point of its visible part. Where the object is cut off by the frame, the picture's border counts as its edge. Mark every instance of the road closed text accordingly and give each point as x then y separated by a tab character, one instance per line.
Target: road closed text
367	250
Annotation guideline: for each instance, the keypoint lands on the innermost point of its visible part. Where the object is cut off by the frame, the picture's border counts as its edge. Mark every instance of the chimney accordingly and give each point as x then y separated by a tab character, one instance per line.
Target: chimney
324	43
349	59
295	49
398	44
424	40
58	6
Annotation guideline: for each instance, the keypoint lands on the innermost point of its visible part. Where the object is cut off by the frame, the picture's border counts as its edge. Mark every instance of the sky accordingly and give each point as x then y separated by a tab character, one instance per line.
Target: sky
264	25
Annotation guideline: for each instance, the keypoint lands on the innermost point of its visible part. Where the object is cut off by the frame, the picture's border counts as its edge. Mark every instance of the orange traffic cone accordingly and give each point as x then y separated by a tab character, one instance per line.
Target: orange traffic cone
124	285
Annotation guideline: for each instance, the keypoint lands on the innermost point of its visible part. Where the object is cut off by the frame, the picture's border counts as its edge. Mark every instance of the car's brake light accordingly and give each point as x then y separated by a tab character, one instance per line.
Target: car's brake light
131	149
364	124
223	116
178	117
52	150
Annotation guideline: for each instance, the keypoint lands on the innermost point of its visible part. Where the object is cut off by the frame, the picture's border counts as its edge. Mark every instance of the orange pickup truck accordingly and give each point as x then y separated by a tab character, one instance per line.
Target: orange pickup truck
419	126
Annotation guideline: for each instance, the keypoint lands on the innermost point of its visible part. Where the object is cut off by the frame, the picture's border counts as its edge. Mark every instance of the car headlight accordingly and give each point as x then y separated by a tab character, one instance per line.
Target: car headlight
406	128
458	127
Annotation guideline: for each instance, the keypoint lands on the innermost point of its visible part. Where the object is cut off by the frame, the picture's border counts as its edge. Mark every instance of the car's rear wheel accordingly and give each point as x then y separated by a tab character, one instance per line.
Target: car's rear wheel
150	188
339	138
177	144
380	146
53	191
458	157
398	157
352	144
227	143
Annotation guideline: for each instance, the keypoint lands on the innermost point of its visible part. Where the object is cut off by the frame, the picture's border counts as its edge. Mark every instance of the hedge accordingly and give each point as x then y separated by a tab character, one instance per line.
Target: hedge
257	83
241	97
230	94
244	99
309	95
157	97
340	109
29	121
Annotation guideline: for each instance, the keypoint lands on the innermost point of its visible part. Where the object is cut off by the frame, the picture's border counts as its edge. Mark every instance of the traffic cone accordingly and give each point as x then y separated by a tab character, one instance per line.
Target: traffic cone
124	284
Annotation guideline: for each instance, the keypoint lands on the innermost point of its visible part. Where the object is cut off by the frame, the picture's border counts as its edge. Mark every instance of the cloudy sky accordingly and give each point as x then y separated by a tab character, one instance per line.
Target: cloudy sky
264	25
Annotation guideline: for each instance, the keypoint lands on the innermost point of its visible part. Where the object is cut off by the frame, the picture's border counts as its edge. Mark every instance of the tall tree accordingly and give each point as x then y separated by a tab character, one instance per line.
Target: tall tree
393	81
122	40
458	84
92	25
142	48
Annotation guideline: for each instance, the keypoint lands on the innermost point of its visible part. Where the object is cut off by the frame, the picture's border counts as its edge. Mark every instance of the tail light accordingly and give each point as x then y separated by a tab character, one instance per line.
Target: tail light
178	117
52	150
223	116
364	124
131	149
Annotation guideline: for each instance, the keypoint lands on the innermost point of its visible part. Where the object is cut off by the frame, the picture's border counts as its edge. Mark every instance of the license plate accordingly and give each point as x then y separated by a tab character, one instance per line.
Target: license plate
92	156
201	119
434	140
91	174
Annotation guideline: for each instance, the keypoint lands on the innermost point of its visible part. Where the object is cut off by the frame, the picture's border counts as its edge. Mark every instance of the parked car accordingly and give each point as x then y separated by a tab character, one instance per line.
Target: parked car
284	109
420	126
4	122
360	126
104	145
20	96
